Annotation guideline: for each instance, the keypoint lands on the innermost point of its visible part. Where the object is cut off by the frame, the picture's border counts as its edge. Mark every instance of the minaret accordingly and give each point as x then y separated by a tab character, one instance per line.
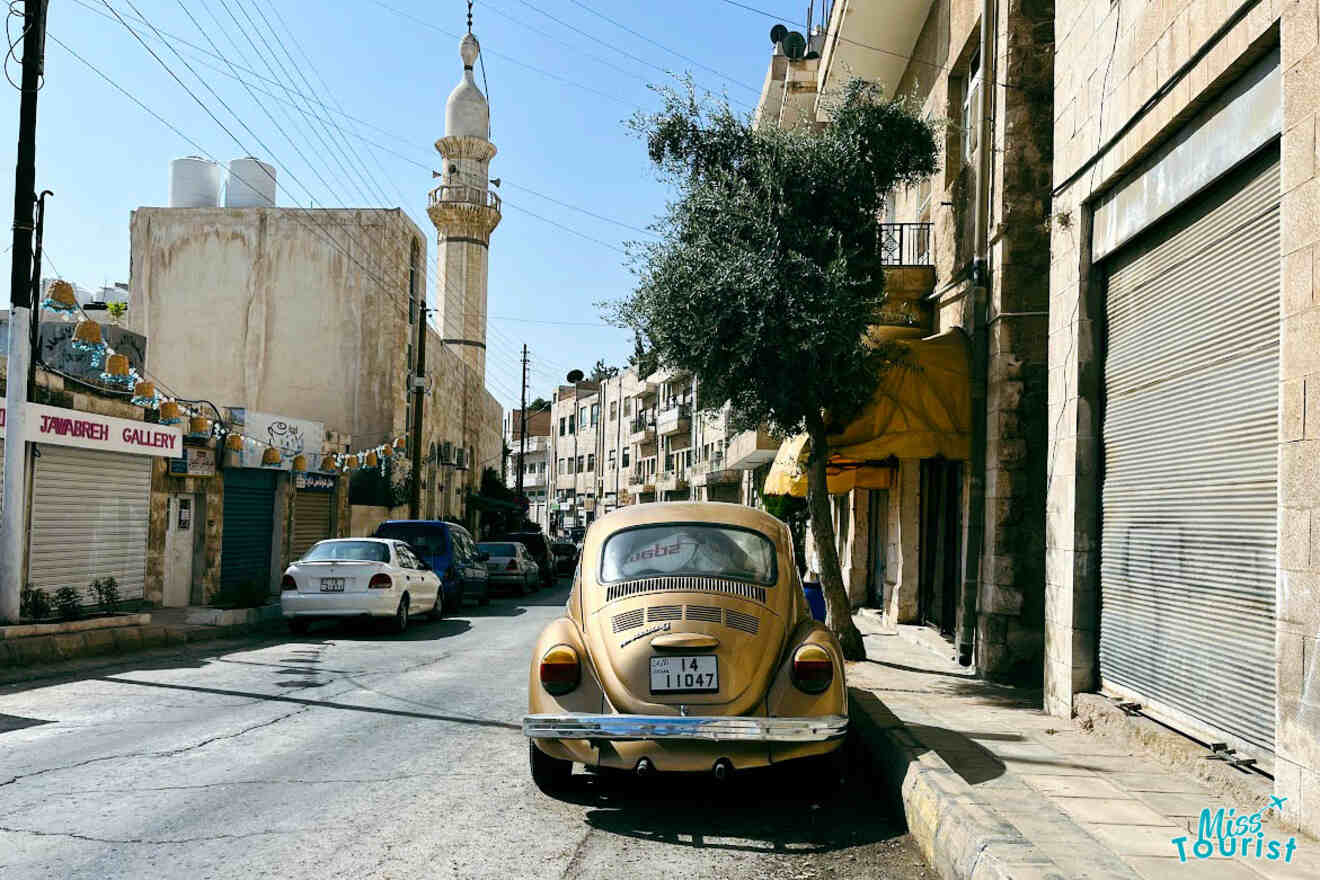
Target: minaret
464	212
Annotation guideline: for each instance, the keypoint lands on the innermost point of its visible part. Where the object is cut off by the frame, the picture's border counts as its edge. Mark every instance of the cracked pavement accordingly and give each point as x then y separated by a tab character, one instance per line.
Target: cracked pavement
353	753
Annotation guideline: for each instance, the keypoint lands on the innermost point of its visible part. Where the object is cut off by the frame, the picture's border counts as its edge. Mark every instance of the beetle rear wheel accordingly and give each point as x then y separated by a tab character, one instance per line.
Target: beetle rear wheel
551	775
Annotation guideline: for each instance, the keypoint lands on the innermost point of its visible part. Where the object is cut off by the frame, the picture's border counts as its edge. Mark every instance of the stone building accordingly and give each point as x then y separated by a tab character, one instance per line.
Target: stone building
947	530
1183	521
532	459
316	313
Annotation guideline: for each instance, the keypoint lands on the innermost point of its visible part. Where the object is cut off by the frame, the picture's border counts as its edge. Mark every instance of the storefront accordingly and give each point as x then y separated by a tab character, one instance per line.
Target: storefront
313	511
91	497
1189	248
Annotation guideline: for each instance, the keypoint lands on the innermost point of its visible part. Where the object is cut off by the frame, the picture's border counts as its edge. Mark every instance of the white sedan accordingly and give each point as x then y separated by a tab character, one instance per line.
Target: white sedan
359	577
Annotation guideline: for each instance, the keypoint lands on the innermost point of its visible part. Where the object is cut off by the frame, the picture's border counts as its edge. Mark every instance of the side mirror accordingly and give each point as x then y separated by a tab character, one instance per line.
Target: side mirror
482	556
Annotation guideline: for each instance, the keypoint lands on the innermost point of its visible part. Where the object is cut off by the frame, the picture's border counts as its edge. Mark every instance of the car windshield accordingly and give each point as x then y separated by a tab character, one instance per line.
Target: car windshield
498	549
424	539
688	549
356	551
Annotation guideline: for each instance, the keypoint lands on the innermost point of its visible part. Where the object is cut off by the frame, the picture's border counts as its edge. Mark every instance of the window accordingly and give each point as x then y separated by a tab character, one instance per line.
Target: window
410	357
595	414
627	406
591	461
688	548
582	461
582	416
570	465
611	459
563	422
572	429
971	107
614	410
561	467
626	456
363	551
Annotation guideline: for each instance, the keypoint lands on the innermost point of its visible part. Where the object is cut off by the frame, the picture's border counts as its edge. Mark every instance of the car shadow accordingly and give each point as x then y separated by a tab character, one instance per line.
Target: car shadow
783	810
370	630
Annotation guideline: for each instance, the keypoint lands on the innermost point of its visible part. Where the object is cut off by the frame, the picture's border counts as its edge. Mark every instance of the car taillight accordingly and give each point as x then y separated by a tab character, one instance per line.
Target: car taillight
560	671
813	669
380	581
512	566
288	583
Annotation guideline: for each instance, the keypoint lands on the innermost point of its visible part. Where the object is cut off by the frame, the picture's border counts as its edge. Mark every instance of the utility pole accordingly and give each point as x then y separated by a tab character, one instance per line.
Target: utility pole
20	316
418	389
522	429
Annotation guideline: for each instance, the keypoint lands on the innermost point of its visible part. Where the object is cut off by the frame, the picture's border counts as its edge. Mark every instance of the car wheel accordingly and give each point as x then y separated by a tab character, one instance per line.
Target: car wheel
400	623
438	610
551	775
297	625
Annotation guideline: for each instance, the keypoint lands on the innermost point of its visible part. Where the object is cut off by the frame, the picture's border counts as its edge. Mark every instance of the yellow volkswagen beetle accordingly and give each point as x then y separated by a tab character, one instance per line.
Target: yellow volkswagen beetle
686	645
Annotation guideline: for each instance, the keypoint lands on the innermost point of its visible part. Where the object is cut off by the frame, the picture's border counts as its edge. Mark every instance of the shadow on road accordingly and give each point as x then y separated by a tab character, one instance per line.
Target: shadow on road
781	809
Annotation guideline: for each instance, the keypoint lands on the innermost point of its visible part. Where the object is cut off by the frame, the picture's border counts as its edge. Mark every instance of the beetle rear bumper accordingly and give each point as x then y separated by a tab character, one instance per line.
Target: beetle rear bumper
714	728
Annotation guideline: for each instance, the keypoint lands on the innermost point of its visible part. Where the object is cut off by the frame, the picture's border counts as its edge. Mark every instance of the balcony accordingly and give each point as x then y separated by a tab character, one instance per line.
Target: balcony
907	252
640	481
672	480
534	444
452	204
906	244
532	481
751	449
674	420
718	472
642	429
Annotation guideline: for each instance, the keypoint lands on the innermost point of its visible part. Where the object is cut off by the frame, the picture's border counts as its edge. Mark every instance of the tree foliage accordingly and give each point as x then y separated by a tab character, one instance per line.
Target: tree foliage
602	371
768	269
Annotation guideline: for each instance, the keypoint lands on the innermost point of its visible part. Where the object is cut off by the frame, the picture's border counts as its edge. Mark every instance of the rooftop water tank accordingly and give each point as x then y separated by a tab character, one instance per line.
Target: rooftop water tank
195	183
251	184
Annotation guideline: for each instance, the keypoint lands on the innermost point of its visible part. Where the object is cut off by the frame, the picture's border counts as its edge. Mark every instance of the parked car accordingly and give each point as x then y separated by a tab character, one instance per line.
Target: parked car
566	557
359	577
539	546
511	566
687	624
450	551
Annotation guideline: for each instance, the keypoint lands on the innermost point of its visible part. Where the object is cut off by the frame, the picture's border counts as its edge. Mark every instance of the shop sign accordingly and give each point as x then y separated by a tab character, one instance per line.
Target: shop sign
289	437
314	482
197	461
69	427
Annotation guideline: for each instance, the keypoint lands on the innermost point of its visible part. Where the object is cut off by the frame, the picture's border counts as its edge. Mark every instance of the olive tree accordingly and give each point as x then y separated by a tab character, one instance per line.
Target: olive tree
767	271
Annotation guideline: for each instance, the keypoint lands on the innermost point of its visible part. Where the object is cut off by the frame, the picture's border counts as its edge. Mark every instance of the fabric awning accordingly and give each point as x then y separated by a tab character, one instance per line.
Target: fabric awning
921	409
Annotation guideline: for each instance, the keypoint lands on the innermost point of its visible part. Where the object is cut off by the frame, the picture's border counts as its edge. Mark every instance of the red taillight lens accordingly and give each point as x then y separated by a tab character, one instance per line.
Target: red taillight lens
380	581
560	671
813	669
512	566
287	583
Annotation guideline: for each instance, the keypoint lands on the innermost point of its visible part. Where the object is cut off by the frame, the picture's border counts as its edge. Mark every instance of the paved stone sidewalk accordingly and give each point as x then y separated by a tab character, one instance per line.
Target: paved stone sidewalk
1051	800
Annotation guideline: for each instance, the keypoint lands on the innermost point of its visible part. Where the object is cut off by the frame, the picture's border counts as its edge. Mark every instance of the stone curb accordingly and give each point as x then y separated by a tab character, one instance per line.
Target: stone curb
34	650
960	839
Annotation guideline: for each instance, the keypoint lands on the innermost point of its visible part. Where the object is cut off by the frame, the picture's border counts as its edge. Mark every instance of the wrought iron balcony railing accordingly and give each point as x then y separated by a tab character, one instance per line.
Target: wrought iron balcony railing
906	244
465	194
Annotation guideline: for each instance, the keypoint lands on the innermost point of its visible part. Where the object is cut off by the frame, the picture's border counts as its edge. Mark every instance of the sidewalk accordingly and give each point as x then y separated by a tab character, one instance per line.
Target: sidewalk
994	788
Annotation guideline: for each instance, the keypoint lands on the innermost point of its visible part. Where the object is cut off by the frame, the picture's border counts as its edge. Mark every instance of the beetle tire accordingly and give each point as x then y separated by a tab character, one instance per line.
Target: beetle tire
551	775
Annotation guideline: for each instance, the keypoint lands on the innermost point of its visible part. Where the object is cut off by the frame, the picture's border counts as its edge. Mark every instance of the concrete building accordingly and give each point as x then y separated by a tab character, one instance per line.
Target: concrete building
532	459
316	313
947	530
1183	525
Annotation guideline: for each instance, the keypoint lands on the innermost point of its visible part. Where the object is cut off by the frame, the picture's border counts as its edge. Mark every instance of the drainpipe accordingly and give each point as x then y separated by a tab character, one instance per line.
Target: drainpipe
980	348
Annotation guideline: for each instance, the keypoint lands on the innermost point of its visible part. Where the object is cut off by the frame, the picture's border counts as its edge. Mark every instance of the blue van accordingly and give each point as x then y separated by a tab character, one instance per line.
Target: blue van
450	551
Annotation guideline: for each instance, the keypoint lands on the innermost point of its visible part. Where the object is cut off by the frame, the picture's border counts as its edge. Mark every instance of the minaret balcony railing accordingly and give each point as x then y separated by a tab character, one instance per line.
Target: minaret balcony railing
462	193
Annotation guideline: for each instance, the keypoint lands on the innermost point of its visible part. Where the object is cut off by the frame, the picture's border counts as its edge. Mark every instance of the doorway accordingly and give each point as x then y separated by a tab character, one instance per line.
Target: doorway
877	546
941	542
180	545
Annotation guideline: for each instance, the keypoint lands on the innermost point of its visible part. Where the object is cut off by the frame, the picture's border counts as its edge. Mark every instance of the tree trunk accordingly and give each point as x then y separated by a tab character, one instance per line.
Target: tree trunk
838	610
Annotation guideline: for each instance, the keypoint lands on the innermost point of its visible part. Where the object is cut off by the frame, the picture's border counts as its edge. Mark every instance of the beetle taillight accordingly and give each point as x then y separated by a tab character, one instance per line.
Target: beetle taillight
813	669
560	670
288	583
380	581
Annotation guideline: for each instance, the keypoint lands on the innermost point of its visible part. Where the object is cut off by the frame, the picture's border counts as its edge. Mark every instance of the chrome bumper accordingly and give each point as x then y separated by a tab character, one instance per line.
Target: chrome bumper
716	728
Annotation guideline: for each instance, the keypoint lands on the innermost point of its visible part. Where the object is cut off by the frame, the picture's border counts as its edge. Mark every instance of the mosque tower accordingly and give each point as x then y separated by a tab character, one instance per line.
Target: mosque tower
464	212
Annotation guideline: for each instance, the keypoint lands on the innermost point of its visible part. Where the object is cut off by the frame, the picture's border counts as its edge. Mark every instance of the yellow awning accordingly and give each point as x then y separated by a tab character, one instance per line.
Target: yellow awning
921	409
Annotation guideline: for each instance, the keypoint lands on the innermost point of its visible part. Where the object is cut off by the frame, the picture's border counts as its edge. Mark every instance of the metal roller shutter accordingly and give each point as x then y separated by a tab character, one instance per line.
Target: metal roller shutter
311	521
1190	433
248	527
90	512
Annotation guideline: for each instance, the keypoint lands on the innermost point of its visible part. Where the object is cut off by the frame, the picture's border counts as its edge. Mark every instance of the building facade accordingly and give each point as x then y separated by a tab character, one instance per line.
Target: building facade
1182	558
532	459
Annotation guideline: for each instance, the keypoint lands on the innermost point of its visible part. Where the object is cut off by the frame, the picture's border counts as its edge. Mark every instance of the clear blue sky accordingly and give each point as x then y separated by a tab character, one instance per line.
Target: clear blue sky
560	91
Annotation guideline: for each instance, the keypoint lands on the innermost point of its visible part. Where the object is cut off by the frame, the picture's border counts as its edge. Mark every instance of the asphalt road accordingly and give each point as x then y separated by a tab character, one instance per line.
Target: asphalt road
357	754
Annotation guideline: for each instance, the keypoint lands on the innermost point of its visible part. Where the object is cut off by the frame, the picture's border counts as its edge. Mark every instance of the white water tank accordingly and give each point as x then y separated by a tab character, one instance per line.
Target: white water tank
251	184
195	183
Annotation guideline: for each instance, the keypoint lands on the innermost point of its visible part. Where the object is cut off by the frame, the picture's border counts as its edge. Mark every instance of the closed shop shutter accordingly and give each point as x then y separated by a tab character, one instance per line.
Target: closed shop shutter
90	512
311	521
1190	434
248	527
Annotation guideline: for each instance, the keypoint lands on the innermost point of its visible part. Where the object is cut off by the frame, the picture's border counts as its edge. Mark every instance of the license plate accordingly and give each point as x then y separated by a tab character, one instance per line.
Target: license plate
700	675
332	585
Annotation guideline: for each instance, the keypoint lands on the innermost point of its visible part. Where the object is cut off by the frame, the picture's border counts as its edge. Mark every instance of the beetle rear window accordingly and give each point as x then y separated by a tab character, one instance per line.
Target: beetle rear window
688	549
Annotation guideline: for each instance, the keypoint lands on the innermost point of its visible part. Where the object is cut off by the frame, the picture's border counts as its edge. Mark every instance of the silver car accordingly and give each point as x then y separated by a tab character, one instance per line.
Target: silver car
511	566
